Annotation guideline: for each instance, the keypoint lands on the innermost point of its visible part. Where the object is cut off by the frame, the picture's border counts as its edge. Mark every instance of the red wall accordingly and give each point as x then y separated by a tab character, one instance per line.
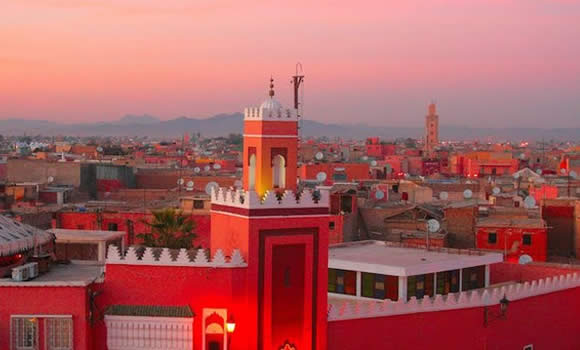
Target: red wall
45	301
510	240
554	325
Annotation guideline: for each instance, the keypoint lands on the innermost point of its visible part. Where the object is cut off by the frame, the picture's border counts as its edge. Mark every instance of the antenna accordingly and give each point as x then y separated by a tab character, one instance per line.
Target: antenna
298	83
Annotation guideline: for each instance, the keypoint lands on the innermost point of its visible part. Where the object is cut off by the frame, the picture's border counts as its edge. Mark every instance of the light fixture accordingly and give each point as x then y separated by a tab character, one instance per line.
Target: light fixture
488	315
231	324
503	305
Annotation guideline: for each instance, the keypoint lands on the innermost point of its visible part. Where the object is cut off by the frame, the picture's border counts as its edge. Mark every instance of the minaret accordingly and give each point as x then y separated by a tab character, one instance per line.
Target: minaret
431	130
270	146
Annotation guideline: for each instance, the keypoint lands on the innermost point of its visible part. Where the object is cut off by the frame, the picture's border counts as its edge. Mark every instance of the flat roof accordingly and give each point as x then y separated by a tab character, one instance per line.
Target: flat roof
383	258
78	236
69	275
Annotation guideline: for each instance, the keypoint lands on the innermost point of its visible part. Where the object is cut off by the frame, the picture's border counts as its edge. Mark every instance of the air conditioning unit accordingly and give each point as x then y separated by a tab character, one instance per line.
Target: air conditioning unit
20	273
32	270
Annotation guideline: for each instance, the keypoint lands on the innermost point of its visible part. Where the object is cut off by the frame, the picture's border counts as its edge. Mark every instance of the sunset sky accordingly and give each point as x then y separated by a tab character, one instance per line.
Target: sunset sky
485	62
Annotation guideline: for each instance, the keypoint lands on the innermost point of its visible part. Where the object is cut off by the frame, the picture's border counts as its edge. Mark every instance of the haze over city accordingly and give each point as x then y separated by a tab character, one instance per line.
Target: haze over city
486	63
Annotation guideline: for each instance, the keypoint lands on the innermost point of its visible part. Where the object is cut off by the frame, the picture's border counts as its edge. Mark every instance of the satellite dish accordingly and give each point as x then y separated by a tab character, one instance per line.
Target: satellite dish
525	259
217	166
210	186
196	169
99	149
563	171
237	184
433	225
529	202
516	175
365	158
336	156
319	155
50	179
206	168
321	176
443	196
407	175
573	174
467	194
522	156
189	185
539	171
180	181
496	190
379	194
373	163
388	168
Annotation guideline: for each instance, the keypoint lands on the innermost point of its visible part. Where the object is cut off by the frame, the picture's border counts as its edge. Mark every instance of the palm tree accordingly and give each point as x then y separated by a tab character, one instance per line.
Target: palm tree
169	229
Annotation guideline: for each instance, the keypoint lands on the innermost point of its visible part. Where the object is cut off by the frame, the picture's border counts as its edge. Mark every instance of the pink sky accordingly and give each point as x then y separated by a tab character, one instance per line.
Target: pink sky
486	62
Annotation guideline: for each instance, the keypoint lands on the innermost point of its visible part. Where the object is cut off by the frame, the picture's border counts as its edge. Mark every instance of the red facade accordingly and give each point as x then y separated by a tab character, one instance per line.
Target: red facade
514	241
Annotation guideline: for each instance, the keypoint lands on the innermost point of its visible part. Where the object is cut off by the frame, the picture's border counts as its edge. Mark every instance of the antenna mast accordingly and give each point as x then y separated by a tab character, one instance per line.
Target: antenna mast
298	83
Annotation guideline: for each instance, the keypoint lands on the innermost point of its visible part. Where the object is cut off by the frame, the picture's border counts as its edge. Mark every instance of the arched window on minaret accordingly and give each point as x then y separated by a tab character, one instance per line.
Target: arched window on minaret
252	173
279	171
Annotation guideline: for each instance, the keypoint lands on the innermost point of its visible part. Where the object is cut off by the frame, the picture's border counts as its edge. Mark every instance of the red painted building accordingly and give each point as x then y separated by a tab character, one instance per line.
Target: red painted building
513	236
335	172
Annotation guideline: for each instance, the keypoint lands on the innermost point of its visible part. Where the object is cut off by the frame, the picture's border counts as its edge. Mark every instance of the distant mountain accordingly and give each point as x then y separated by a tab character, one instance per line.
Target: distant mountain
224	124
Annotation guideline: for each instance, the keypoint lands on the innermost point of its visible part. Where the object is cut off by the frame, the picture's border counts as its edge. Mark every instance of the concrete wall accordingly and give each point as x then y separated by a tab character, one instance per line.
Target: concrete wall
24	170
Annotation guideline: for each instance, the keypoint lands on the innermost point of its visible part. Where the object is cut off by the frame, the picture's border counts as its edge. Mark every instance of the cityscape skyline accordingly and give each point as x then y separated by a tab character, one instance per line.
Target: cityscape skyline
379	64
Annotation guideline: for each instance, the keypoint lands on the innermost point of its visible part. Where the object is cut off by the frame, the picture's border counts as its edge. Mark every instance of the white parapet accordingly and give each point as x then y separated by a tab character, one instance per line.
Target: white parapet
114	257
349	309
256	113
271	200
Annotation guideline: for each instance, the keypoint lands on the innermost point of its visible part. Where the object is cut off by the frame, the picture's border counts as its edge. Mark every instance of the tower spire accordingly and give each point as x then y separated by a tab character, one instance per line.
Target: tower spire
271	87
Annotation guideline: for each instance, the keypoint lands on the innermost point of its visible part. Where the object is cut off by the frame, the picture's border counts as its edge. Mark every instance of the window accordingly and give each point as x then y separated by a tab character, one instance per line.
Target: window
331	225
339	177
380	286
341	281
58	333
279	171
252	172
112	226
473	278
527	239
24	333
198	204
80	227
492	238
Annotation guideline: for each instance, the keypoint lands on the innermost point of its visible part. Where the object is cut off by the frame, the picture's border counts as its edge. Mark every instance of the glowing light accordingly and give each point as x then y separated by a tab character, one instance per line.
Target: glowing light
231	325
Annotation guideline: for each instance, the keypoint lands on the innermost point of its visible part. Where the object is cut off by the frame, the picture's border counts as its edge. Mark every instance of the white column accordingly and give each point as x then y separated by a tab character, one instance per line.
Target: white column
403	288
460	280
358	283
486	275
101	251
435	284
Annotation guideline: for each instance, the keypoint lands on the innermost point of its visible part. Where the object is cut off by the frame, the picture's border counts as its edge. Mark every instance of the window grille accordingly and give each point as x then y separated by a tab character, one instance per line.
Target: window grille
24	333
59	333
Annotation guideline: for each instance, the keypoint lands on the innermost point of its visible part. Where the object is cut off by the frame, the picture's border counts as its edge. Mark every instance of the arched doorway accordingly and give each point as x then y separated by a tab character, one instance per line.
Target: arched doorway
279	172
252	173
214	333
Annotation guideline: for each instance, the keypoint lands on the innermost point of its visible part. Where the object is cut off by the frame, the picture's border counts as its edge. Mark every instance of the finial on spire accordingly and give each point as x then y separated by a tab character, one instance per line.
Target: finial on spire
271	87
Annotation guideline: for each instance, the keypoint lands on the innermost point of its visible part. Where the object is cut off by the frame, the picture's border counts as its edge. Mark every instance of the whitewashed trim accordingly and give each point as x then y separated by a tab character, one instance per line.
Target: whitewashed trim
250	199
272	216
272	136
348	310
114	257
149	333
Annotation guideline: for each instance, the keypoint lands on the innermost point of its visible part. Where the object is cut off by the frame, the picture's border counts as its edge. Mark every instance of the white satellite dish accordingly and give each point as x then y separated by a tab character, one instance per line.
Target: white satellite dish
319	155
539	171
525	259
529	202
180	181
373	163
190	185
516	175
99	149
365	158
388	168
211	185
433	225
321	176
238	184
206	168
407	175
50	179
467	194
336	156
443	195
217	166
496	190
563	171
573	174
196	169
522	156
379	194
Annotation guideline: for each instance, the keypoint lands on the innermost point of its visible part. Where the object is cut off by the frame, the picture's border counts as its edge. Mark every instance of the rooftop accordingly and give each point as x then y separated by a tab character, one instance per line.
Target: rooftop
389	259
511	222
16	237
71	275
74	236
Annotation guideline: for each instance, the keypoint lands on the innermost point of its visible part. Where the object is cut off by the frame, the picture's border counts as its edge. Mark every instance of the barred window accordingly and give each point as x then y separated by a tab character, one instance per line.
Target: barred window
24	333
59	333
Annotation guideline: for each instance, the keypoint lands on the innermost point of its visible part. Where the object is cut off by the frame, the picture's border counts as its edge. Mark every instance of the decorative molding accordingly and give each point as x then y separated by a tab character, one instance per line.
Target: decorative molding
182	259
280	115
349	309
149	333
271	200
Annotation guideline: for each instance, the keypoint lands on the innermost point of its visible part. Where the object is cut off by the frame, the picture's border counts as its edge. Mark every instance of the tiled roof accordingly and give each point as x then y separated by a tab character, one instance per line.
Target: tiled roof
149	311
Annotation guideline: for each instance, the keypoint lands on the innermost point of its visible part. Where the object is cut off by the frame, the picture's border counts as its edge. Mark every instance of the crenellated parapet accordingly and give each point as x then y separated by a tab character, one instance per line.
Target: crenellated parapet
257	113
166	258
271	200
354	309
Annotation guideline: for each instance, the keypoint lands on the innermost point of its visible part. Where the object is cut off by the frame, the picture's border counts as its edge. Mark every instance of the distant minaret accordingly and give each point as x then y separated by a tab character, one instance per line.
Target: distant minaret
431	130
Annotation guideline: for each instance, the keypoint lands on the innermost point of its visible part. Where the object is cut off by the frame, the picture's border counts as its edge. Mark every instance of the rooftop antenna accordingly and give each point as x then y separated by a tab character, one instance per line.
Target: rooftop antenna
298	83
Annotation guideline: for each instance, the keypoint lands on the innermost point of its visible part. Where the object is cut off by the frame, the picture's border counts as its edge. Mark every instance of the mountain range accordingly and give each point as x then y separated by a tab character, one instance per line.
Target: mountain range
224	124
